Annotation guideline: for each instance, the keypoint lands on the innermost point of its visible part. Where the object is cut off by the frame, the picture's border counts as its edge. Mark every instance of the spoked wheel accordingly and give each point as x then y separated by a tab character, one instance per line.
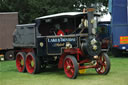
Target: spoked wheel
33	65
71	67
20	61
103	64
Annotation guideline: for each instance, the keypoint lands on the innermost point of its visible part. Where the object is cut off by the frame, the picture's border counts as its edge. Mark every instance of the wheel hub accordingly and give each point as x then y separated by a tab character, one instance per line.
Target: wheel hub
10	56
22	62
68	67
32	63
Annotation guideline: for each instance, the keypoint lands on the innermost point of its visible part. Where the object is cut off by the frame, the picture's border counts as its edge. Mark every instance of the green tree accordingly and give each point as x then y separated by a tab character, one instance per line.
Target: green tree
30	9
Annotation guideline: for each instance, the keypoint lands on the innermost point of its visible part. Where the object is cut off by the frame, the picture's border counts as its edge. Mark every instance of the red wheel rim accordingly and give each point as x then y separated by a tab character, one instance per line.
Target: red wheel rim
30	64
20	62
102	66
69	67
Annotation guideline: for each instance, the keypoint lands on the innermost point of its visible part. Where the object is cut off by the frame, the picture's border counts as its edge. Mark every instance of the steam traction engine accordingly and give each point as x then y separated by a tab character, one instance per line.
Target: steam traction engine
66	39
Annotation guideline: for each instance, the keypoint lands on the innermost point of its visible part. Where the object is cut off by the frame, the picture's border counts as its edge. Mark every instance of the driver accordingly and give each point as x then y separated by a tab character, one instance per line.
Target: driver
83	25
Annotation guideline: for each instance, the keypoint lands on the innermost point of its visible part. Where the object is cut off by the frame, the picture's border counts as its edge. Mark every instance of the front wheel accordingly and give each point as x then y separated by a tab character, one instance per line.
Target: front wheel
71	66
103	64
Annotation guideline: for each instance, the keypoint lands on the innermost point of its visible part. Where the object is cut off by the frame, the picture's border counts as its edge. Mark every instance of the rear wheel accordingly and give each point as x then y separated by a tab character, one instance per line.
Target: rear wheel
33	65
103	64
71	67
9	55
20	61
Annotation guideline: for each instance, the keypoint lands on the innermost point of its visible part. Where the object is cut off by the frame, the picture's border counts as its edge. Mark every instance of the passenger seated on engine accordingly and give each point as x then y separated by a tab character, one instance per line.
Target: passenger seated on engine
59	31
56	30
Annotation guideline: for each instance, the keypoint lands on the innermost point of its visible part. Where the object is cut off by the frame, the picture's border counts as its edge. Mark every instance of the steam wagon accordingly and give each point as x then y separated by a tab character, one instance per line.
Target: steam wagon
67	40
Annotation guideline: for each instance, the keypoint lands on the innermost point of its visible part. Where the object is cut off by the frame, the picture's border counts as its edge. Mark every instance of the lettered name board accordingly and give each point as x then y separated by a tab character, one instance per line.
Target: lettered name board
55	44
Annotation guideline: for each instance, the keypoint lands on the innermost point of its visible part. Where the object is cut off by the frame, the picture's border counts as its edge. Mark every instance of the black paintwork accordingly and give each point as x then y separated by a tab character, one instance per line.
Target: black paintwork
41	50
46	43
55	44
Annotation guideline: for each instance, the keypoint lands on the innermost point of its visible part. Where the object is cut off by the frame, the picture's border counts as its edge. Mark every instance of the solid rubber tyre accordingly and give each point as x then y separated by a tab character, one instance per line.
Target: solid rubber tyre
33	64
20	61
71	66
103	64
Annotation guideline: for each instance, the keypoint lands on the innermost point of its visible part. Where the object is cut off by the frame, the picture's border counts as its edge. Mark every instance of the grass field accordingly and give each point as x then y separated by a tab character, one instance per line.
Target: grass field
118	75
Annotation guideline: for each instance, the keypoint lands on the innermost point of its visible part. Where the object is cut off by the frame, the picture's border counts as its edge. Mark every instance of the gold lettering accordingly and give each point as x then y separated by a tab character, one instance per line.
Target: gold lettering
60	44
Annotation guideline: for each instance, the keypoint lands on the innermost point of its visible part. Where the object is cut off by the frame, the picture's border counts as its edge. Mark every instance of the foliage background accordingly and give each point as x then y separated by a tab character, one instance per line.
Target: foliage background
30	9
